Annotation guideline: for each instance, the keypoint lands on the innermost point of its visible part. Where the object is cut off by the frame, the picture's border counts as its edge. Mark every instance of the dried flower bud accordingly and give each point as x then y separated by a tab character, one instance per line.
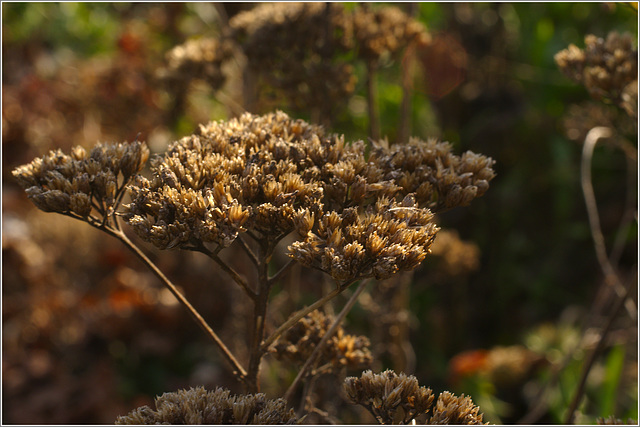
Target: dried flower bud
80	203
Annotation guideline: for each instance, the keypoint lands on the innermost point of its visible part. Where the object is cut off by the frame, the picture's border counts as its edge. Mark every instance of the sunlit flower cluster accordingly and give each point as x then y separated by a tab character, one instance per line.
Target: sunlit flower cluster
439	179
385	238
77	184
398	399
199	406
271	175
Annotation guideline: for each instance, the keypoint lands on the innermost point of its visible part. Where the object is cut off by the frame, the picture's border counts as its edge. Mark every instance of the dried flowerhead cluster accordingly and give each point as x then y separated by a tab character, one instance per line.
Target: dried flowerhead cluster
198	406
272	175
386	393
342	350
227	178
197	59
316	41
439	179
308	38
385	238
607	68
78	183
457	410
385	30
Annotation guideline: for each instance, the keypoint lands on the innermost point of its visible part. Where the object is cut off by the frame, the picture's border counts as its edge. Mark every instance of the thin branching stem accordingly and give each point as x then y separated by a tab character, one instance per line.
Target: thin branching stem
540	401
300	314
404	123
285	268
239	371
252	256
230	271
332	330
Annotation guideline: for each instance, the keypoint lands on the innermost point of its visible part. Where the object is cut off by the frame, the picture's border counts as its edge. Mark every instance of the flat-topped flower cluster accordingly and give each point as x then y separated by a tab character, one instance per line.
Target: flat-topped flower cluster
271	175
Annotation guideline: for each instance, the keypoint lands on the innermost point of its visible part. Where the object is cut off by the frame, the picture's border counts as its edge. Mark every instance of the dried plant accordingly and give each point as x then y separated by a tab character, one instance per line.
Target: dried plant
608	68
316	35
342	350
321	45
385	31
399	399
79	184
349	209
252	181
198	406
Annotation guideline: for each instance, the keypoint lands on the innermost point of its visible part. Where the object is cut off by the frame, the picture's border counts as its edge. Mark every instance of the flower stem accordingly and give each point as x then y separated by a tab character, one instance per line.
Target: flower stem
347	307
300	314
239	371
261	301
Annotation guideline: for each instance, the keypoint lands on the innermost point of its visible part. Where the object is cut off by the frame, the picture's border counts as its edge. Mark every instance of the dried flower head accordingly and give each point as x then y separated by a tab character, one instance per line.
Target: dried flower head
386	393
308	38
607	68
197	59
385	30
439	179
198	406
78	183
342	350
452	409
227	178
273	175
382	239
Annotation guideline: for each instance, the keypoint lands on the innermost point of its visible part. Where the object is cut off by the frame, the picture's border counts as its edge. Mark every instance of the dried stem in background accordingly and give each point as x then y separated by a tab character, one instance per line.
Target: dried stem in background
607	263
404	123
372	101
610	275
592	356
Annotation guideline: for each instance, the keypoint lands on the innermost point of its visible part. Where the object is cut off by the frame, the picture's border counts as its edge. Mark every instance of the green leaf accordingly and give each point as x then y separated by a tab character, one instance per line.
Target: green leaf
613	373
